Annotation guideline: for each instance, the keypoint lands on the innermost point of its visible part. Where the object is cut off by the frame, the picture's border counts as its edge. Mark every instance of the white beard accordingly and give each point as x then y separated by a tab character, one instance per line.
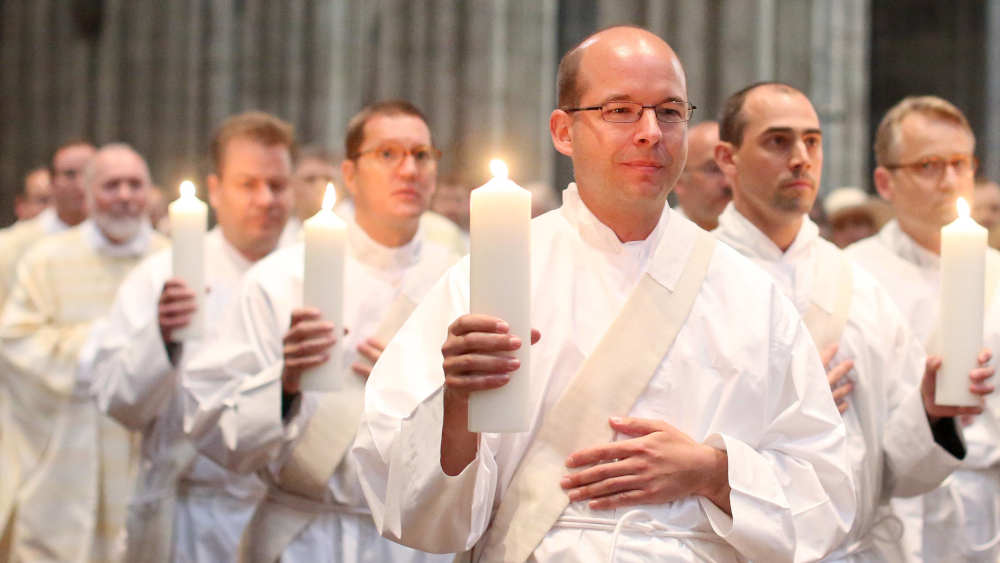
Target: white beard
121	229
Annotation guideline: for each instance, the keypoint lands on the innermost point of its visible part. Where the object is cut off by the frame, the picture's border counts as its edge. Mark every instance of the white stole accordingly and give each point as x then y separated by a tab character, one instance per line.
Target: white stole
609	383
323	444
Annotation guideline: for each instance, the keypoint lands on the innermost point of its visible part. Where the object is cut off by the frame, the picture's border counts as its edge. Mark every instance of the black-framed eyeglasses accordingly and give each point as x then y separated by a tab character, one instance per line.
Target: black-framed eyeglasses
391	154
933	167
630	112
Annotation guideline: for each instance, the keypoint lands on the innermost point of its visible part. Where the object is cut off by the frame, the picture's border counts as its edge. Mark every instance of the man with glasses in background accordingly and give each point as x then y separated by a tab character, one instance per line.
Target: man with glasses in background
246	405
703	190
684	414
924	150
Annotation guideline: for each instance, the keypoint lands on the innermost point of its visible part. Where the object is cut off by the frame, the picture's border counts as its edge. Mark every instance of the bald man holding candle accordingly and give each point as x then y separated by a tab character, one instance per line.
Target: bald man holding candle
187	507
679	411
902	441
924	148
249	404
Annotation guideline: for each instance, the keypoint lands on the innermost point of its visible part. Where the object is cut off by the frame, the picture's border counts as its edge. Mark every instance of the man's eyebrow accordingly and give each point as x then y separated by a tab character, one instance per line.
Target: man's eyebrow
627	98
789	130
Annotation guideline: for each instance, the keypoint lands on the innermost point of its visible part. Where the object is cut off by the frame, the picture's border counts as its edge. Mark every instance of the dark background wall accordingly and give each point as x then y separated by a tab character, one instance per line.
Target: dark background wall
162	75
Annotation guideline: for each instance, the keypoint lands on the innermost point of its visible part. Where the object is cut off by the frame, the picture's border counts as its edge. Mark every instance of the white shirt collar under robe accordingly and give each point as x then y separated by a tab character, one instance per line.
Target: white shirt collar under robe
890	444
741	342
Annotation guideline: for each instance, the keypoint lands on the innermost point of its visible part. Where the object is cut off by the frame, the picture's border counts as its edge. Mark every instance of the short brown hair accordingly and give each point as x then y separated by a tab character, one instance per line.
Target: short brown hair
65	145
887	134
256	125
356	127
732	122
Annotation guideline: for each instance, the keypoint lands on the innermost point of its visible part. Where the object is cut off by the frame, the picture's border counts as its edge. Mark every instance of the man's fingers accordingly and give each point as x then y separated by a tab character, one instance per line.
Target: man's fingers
480	364
302	363
309	347
175	322
984	356
469	383
478	323
368	351
981	374
177	307
361	369
842	406
480	342
305	330
835	374
604	452
605	487
304	314
619	500
828	353
636	426
843	391
599	472
980	388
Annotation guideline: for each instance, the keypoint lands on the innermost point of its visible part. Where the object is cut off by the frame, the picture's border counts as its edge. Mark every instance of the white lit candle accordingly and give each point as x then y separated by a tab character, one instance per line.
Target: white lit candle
963	271
188	222
323	286
500	286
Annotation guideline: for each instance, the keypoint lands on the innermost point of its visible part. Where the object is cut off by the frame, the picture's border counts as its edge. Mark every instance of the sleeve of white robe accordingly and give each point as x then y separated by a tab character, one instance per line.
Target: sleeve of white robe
232	386
399	439
796	472
779	478
31	339
914	462
132	377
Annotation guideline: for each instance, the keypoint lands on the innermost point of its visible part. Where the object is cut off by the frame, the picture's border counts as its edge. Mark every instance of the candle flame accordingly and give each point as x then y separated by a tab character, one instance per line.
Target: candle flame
498	168
329	197
187	188
963	207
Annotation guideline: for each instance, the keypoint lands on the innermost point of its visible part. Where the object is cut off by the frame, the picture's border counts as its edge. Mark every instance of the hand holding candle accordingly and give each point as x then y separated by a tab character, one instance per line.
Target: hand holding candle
323	286
963	274
188	223
500	286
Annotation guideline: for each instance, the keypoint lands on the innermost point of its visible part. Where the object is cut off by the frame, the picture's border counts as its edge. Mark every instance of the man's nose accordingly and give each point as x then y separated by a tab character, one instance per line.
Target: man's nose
801	158
950	177
263	195
648	128
408	166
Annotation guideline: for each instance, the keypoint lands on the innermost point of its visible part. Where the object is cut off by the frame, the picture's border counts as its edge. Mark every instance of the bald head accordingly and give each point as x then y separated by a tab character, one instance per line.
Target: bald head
619	40
623	169
702	190
118	184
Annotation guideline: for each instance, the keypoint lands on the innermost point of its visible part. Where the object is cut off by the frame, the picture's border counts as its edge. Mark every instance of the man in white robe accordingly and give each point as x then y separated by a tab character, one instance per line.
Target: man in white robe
924	150
79	464
35	194
315	168
246	403
772	154
733	437
702	190
68	209
186	507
